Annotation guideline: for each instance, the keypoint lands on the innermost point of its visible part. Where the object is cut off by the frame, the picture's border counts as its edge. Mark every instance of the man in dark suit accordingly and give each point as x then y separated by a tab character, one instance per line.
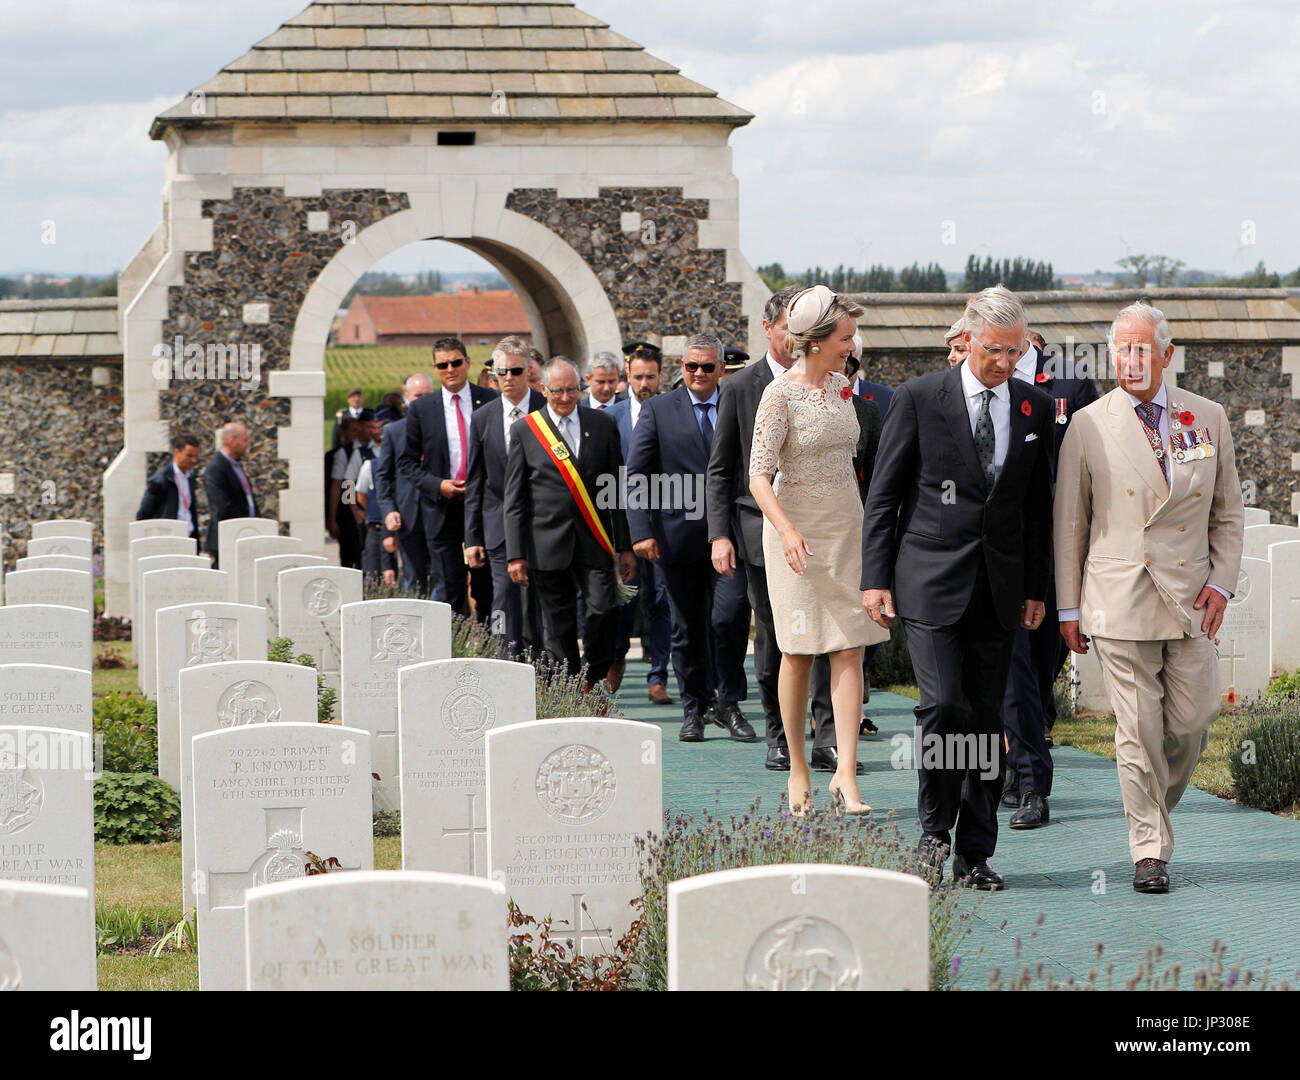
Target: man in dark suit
955	540
355	410
736	532
1037	655
485	486
399	500
229	492
170	491
565	530
435	460
864	387
665	515
602	382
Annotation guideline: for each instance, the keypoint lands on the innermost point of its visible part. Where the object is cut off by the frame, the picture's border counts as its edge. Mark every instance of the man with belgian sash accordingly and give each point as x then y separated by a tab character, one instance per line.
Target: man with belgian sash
562	536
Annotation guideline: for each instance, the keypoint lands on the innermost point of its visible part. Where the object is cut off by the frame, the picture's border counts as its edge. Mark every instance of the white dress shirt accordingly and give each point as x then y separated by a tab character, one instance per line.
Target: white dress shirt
1027	366
999	412
449	402
592	403
571	435
506	406
634	408
776	369
184	496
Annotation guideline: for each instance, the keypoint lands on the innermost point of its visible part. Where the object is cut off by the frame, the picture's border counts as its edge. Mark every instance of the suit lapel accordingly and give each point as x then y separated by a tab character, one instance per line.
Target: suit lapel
1020	426
952	402
496	432
1132	440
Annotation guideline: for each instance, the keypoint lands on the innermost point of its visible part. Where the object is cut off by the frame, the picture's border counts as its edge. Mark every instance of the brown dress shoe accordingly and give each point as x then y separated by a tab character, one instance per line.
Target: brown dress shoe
1150	875
659	694
615	675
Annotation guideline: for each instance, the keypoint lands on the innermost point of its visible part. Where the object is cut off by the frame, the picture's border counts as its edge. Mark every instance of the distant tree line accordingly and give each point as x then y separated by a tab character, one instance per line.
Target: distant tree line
914	278
1019	275
49	288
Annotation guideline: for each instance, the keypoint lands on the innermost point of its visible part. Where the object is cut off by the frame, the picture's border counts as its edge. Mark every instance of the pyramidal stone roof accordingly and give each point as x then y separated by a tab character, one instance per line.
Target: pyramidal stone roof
438	62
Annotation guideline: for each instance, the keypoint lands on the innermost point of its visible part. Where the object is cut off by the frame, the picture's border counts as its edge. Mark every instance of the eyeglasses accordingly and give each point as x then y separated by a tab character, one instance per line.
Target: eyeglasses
691	365
560	391
445	364
509	371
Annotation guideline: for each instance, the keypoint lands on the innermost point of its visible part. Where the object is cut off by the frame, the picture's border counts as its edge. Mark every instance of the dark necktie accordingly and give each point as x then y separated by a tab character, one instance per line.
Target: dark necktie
706	426
985	443
1151	426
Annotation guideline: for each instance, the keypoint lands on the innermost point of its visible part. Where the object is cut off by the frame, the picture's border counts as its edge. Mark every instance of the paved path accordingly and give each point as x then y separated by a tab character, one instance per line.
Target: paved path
1235	876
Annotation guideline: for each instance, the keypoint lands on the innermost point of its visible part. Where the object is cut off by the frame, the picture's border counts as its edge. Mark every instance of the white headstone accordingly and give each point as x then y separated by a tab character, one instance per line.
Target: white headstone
232	694
1256	515
189	635
378	638
233	529
1259	537
43	695
138	628
66	588
310	606
85	530
46	634
144	547
250	548
47	937
54	562
266	588
61	545
1088	683
47	811
446	706
1284	614
1243	637
799	927
378	930
567	800
151	527
264	796
167	588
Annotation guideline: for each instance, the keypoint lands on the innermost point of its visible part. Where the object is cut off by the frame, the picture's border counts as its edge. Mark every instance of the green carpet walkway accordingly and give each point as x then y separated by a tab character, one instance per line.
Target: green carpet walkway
1235	875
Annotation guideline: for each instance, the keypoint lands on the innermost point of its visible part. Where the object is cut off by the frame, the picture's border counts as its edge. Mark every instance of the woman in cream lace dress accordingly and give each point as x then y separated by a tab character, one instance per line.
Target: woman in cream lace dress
805	433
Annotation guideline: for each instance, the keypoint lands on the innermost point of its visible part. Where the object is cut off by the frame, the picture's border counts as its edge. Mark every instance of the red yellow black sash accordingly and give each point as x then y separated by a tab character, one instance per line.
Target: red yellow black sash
558	452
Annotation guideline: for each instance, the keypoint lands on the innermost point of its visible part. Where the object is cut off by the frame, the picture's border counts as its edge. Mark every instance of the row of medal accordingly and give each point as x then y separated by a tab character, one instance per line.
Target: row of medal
1190	444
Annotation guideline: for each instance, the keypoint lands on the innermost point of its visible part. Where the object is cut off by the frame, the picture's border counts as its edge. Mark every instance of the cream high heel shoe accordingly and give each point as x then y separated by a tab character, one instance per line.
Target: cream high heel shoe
842	805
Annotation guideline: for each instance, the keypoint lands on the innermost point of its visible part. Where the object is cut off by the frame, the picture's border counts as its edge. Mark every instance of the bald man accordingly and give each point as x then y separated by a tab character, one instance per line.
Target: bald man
229	491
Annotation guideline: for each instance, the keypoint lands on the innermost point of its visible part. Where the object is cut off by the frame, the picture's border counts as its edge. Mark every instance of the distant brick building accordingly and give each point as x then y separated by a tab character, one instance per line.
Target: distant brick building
476	317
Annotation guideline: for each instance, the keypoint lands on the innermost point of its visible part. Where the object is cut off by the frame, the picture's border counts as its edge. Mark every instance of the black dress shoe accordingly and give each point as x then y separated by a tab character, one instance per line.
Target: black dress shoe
932	852
827	759
1149	875
1011	792
692	729
778	759
976	875
1033	812
728	715
867	728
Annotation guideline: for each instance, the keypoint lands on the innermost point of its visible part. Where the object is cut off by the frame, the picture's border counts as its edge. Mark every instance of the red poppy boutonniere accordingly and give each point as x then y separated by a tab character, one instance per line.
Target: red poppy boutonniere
1026	408
846	393
1186	418
1041	377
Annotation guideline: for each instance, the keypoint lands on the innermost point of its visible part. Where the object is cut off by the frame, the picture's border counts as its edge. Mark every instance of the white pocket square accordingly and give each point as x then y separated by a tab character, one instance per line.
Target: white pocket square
1031	436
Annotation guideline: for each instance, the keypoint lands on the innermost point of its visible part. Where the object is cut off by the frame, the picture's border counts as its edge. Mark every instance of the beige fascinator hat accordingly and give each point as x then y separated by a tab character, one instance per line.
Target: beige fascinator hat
808	308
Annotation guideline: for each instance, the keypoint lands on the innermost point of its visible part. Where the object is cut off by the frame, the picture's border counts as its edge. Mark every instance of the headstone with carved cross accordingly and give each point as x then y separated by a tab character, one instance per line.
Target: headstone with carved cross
47	937
266	796
378	930
311	613
445	708
43	695
230	694
47	816
567	801
46	634
1243	636
379	638
191	634
266	587
1284	615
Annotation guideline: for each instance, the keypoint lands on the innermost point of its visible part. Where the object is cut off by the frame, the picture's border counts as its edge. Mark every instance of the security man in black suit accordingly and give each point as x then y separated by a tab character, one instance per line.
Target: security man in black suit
1037	655
399	500
228	489
485	487
565	530
736	533
435	460
170	491
666	464
354	409
956	539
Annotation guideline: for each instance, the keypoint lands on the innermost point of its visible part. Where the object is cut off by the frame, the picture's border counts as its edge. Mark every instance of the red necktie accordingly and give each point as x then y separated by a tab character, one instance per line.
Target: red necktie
464	446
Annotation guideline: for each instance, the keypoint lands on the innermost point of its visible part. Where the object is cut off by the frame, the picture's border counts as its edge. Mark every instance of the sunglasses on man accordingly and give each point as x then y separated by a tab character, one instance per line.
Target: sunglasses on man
445	364
692	366
516	371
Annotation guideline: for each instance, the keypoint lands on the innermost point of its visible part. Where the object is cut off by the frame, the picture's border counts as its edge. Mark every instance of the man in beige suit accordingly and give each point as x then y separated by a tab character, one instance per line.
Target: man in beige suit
1149	525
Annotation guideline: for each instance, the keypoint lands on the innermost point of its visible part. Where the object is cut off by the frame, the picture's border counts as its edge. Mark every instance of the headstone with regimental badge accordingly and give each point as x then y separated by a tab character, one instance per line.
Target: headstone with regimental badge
379	637
61	545
445	709
168	588
567	801
266	587
266	797
47	937
311	613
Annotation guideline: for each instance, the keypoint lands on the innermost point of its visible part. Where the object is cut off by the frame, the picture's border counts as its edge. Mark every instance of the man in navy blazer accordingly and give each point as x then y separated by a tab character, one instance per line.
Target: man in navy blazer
667	463
643	377
435	461
399	500
170	491
229	491
485	487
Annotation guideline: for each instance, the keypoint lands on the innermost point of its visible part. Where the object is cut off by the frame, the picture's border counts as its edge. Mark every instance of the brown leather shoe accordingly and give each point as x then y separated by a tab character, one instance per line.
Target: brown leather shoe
659	694
615	675
1150	875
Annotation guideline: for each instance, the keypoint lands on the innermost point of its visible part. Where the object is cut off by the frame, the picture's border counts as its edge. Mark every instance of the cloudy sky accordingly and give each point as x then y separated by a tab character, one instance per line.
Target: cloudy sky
884	132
